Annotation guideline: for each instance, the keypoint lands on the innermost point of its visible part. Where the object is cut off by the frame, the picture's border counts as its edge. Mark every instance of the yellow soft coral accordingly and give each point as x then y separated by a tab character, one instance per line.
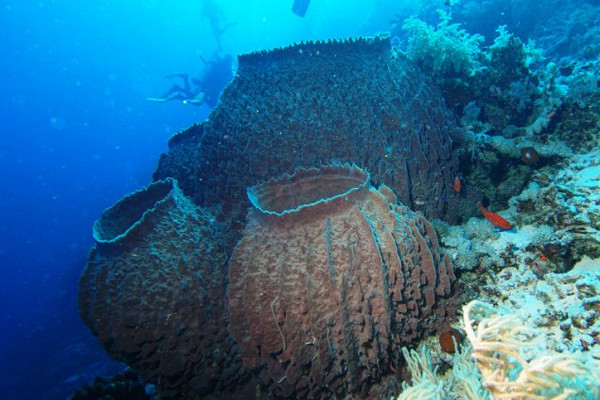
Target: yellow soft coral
497	341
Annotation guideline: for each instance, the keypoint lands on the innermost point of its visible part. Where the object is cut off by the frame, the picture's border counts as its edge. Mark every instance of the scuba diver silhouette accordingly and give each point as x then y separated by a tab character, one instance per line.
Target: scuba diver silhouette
213	12
217	73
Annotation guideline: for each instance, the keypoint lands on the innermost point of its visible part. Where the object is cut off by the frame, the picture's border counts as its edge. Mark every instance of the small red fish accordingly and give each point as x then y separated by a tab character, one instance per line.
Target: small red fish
457	184
495	218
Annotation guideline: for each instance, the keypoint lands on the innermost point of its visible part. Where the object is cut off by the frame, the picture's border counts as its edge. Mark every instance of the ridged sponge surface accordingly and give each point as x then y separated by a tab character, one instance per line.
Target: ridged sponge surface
316	103
327	284
153	293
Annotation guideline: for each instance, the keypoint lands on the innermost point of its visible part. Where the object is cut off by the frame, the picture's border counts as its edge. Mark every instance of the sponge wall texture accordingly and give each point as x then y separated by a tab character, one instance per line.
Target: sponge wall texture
317	103
153	293
330	279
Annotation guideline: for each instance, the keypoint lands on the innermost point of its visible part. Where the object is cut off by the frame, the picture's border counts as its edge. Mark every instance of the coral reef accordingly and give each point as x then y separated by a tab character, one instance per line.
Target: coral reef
330	278
443	50
502	102
577	120
567	200
572	32
498	340
153	293
321	102
535	328
510	356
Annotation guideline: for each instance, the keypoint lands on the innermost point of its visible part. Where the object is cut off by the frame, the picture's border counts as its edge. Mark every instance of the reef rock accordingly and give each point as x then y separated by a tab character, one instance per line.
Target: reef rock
153	293
316	103
330	279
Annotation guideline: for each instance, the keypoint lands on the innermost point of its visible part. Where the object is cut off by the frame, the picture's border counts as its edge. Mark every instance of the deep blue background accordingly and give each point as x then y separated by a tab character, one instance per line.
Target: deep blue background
77	134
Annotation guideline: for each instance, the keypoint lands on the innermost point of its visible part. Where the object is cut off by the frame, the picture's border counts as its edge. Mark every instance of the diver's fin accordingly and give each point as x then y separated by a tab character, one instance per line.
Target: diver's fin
195	102
198	100
300	6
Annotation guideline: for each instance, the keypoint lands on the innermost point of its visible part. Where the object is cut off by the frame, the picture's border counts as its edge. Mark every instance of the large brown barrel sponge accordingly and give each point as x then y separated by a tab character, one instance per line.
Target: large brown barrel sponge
316	103
330	278
153	293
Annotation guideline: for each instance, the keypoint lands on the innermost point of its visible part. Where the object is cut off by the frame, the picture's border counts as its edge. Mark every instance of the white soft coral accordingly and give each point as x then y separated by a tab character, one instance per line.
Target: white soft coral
498	339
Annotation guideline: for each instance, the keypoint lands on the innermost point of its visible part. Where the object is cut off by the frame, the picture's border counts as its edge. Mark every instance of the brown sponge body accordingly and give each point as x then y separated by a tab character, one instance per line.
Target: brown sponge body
321	102
153	293
330	278
331	275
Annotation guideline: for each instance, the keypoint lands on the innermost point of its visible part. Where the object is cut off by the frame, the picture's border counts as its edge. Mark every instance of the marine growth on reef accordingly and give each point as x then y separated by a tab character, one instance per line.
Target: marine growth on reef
286	248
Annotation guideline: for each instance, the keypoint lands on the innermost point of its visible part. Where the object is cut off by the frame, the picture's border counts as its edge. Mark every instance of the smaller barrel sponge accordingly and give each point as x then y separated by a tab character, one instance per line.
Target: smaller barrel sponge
330	279
153	293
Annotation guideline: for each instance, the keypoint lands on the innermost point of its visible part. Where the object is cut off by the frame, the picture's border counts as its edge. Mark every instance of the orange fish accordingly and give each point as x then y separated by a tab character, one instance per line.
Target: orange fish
457	184
495	218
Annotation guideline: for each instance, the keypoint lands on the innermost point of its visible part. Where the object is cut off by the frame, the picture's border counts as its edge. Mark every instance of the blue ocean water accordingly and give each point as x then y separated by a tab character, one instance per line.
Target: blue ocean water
78	133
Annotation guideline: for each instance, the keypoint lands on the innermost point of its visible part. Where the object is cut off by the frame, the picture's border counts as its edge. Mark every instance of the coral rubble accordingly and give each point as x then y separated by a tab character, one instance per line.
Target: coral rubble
567	199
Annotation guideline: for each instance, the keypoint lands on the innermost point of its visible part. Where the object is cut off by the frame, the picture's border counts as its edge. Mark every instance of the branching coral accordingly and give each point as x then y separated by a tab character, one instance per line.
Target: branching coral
498	340
503	360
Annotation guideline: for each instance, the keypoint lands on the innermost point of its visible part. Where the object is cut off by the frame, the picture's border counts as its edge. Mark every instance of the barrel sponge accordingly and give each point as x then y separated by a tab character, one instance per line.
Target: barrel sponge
153	292
330	279
322	102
